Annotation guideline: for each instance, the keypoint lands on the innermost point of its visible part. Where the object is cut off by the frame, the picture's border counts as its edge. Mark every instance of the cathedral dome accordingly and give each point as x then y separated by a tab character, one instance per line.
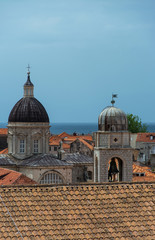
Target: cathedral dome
28	109
112	119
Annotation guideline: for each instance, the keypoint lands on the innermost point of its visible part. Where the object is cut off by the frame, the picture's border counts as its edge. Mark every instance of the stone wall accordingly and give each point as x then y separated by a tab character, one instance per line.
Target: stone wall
27	132
78	172
37	173
78	146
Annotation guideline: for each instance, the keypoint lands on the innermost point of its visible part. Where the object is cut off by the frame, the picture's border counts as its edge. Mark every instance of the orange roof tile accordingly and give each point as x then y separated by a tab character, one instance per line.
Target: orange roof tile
4	151
3	131
63	134
143	179
55	142
9	177
55	139
149	175
86	137
85	143
145	137
65	146
89	211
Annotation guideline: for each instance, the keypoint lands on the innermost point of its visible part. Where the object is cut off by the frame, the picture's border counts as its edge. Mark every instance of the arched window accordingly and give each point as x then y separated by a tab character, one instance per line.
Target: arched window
115	170
51	178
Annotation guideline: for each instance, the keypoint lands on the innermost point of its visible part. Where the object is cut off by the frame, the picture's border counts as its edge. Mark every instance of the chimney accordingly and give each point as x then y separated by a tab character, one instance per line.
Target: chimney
61	152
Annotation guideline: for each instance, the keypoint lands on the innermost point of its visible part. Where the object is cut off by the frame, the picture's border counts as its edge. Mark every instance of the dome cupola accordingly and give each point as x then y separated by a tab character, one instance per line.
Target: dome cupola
112	119
28	126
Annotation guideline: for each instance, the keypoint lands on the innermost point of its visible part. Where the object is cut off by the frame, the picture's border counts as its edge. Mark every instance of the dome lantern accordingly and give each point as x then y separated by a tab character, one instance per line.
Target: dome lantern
28	86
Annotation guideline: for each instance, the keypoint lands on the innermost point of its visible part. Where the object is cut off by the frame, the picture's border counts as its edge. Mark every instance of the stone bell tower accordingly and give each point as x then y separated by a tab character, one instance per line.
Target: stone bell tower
112	153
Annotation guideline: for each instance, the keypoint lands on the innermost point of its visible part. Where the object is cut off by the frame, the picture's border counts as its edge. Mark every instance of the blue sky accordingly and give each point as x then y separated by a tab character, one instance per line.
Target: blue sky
80	52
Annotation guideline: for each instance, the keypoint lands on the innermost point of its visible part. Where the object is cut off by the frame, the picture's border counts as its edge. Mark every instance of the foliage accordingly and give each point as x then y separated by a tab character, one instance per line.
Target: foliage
135	124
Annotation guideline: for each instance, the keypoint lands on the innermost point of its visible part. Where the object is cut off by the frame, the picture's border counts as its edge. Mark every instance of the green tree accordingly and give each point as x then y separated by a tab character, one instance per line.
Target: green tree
135	124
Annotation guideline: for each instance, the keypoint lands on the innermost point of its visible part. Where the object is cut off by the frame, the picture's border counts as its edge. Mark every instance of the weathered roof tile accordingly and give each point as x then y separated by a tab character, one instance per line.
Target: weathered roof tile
96	211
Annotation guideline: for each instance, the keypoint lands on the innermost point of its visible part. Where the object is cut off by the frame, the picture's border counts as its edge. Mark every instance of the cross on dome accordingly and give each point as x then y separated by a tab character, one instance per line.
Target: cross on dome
28	68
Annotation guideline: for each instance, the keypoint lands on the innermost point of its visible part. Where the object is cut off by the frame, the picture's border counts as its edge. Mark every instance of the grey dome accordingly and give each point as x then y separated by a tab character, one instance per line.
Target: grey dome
28	109
112	119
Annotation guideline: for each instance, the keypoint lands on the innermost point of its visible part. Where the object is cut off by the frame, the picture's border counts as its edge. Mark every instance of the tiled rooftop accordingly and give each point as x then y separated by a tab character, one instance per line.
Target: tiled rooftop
96	211
4	151
5	160
3	131
43	160
10	177
63	134
148	174
87	144
65	146
66	138
78	158
145	137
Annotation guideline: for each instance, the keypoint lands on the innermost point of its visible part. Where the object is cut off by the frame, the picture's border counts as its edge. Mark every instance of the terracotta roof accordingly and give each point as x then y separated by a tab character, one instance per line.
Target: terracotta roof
145	137
4	151
9	177
68	139
65	146
55	142
3	131
96	211
148	174
73	138
86	137
63	134
86	143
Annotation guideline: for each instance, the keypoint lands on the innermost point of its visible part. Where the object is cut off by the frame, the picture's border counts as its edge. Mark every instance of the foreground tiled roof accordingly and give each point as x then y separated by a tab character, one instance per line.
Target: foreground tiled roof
10	177
99	211
145	137
3	131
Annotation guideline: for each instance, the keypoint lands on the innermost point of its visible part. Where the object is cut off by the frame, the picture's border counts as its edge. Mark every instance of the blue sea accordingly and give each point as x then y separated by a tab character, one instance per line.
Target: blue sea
79	128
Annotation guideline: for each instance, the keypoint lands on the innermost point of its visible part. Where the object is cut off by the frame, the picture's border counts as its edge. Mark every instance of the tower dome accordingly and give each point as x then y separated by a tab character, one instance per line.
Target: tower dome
28	108
112	119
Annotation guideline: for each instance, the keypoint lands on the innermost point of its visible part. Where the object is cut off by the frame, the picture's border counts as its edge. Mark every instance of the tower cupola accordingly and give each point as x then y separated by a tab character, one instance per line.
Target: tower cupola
28	87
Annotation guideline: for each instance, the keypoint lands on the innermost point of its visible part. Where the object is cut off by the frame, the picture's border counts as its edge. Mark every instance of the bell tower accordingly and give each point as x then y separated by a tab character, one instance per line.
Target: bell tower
112	153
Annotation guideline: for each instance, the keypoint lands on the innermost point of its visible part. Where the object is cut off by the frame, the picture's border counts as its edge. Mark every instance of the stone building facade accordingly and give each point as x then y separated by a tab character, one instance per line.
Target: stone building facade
28	145
81	146
145	143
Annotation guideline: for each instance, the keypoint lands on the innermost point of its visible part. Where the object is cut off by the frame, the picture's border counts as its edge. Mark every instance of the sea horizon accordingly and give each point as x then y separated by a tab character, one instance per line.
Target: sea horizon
78	128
